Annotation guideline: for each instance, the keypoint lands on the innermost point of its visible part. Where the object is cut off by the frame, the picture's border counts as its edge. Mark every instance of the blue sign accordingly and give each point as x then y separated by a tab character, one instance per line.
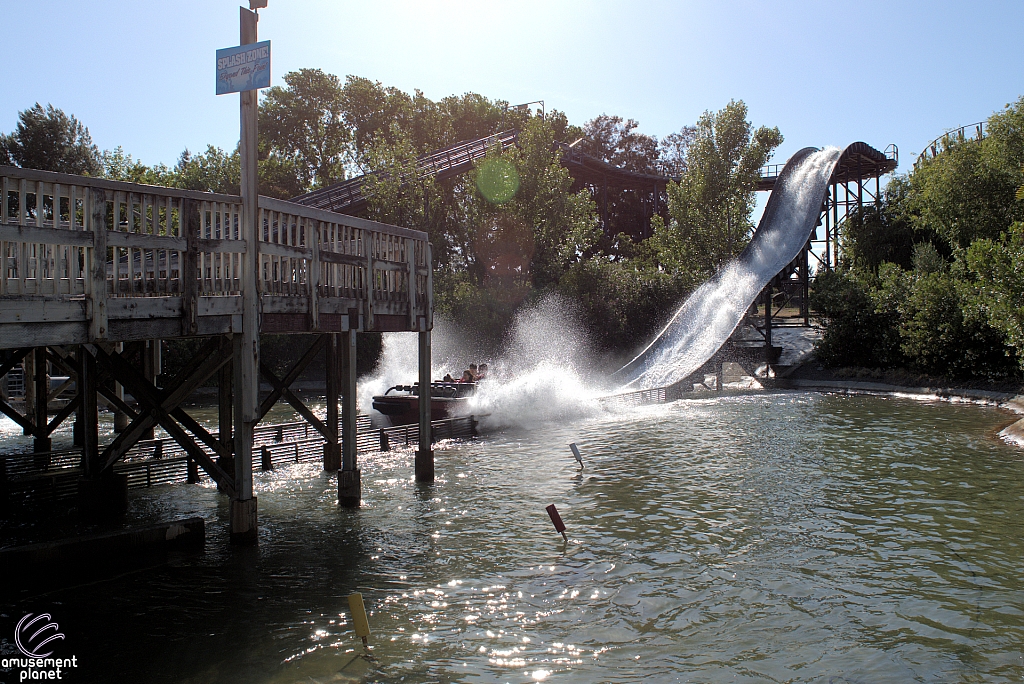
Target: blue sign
246	67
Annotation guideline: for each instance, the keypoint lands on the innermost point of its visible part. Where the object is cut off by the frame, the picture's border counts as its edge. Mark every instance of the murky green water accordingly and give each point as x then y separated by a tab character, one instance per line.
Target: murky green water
779	537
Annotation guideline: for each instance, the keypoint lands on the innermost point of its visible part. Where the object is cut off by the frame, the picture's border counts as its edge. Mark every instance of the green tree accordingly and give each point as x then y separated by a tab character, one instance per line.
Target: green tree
710	208
120	166
999	290
967	191
50	140
303	125
211	171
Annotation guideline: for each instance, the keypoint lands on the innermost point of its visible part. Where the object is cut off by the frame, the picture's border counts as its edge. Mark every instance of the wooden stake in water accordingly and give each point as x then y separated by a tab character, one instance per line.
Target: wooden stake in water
576	453
557	520
359	621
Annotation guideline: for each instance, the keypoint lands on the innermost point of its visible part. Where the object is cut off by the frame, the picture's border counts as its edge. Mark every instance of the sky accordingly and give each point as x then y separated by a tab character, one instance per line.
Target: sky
141	74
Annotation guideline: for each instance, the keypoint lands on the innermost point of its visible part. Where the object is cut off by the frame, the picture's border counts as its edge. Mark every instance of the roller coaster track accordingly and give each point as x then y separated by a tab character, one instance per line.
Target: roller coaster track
974	131
348	196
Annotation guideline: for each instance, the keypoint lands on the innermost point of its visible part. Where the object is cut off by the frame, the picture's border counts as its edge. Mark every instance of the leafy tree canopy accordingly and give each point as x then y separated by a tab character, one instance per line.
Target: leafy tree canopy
50	140
710	208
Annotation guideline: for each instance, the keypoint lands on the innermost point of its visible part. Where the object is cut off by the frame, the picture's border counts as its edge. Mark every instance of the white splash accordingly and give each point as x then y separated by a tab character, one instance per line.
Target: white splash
709	316
542	374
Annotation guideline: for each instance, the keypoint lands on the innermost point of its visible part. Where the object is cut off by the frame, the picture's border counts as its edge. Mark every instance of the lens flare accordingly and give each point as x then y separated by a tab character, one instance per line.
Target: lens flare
497	180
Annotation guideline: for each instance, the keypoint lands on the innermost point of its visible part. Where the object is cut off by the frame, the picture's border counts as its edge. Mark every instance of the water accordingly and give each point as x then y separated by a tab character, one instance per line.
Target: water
766	537
709	316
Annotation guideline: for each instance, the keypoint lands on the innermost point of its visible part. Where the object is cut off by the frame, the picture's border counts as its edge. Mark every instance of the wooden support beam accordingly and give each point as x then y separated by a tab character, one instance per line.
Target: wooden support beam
332	453
97	285
246	356
224	398
13	360
347	356
63	414
89	413
285	392
159	405
189	217
350	492
289	378
42	442
21	420
151	368
425	455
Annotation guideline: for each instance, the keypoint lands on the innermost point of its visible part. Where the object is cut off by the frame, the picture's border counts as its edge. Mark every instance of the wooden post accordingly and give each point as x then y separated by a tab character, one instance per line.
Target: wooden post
767	327
225	400
41	442
188	213
425	455
28	381
88	412
151	368
98	265
247	344
120	418
332	454
349	484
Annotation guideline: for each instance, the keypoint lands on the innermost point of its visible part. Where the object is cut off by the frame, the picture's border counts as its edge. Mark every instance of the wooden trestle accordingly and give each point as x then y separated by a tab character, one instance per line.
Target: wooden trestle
93	273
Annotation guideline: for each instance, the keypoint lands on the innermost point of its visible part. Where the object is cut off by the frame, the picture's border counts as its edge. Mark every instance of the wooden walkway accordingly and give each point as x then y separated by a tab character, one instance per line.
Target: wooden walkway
95	273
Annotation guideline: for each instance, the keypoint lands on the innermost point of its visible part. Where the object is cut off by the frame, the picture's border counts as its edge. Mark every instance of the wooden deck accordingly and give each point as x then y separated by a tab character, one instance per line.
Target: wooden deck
95	273
86	260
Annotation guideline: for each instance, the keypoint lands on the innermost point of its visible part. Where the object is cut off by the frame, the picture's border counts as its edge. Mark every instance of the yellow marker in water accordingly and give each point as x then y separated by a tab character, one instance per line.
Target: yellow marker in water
359	621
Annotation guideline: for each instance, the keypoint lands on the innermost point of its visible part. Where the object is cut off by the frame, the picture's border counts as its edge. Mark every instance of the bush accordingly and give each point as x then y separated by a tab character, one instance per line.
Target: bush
855	332
625	304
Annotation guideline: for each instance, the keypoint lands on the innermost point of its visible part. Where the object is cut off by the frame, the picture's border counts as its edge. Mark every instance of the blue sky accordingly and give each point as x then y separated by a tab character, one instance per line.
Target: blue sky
141	74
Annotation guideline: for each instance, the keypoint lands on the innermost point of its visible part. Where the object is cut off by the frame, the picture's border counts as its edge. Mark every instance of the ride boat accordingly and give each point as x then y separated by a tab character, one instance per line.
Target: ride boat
447	400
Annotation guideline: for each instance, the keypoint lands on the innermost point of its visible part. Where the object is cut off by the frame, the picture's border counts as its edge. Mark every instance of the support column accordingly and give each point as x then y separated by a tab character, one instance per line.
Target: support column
247	344
120	418
28	381
102	494
767	326
332	448
89	412
42	392
151	368
349	482
225	401
425	455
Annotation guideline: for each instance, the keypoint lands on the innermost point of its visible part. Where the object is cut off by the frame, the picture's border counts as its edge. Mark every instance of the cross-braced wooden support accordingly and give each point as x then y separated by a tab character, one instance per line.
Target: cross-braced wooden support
163	407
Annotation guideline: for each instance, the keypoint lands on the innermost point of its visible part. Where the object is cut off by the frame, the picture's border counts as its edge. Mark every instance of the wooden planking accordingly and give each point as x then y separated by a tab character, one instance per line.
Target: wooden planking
50	227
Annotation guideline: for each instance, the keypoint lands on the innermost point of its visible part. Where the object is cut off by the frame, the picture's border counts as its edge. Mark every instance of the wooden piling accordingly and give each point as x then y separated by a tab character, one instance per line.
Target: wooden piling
424	466
349	484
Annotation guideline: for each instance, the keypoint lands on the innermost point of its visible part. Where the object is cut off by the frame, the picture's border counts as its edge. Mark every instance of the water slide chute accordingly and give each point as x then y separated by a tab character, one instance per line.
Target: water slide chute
709	316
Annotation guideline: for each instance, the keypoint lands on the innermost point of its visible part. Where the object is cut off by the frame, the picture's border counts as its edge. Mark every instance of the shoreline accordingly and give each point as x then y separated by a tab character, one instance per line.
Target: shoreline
1010	401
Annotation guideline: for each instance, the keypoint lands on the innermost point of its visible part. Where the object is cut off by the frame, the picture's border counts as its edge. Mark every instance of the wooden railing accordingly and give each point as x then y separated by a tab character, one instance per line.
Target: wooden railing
181	246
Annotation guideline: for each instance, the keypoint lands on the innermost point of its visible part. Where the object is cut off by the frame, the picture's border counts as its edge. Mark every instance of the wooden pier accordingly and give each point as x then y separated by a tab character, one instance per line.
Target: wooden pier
94	273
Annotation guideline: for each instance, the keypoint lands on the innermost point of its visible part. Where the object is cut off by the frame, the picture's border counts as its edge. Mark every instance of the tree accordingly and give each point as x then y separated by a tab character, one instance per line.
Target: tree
673	149
303	126
120	166
212	171
968	190
616	141
999	268
710	208
50	140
